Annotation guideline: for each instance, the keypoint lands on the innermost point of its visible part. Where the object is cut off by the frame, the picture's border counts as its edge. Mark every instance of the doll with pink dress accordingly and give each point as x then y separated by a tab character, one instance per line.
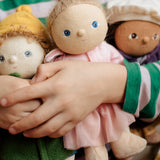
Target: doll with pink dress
79	27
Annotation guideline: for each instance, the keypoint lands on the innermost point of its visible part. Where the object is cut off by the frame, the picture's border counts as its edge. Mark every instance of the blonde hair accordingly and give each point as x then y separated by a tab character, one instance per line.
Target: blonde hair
64	4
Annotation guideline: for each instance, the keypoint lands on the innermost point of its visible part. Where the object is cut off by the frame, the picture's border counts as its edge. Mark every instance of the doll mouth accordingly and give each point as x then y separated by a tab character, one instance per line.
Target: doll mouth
15	67
84	40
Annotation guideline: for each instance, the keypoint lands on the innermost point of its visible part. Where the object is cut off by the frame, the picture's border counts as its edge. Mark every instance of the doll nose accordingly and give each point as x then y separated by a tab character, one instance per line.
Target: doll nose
12	59
145	40
81	32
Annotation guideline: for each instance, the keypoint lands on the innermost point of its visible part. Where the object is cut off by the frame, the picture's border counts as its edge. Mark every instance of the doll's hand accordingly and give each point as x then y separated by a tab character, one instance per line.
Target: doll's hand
16	112
74	91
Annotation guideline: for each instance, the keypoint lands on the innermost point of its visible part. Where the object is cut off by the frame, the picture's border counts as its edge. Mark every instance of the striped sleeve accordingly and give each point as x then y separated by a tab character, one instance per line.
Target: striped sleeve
40	8
142	90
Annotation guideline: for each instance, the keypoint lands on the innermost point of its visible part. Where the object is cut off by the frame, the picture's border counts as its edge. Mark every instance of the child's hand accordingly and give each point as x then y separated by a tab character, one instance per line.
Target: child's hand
16	112
12	114
74	90
44	72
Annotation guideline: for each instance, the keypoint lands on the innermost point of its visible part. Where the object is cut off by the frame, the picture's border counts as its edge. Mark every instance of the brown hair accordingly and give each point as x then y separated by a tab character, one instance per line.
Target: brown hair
64	4
44	42
110	37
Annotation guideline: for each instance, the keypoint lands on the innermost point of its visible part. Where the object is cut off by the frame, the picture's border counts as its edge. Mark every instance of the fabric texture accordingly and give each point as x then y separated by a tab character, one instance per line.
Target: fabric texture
23	21
148	58
124	10
106	123
144	84
17	147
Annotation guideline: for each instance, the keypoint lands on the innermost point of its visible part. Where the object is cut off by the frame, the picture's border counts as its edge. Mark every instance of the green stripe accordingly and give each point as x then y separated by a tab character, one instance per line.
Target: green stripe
10	4
132	87
43	20
42	149
158	62
150	110
104	4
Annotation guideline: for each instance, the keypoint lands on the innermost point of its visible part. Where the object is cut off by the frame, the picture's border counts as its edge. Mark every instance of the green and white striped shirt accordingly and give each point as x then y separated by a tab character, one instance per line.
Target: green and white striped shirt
143	90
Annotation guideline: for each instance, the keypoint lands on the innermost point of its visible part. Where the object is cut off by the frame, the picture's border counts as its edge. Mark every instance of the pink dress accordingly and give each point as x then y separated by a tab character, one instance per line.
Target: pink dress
106	123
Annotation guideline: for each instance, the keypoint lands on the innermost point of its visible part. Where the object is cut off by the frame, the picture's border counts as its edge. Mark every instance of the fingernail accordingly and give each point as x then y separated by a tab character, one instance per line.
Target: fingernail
3	101
12	130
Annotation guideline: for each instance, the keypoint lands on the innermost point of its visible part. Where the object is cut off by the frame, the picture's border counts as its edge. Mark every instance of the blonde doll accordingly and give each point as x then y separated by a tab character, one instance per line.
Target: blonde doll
78	29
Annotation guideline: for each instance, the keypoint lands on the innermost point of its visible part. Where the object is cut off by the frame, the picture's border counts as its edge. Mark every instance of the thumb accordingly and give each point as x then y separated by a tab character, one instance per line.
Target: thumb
46	71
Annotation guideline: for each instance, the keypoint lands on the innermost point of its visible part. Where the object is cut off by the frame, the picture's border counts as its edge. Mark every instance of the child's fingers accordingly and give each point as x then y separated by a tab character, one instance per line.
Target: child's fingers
23	94
36	118
63	130
49	127
45	71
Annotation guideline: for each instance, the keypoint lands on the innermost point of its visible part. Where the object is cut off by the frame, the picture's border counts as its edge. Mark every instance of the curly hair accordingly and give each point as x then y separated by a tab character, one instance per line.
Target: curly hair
44	41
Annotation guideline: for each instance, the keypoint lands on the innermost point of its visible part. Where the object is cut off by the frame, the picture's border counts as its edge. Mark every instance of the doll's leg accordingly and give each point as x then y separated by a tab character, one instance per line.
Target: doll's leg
128	145
152	132
96	153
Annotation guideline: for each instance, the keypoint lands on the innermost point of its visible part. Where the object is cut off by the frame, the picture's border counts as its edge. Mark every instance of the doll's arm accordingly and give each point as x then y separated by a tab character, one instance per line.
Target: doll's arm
16	112
142	91
74	91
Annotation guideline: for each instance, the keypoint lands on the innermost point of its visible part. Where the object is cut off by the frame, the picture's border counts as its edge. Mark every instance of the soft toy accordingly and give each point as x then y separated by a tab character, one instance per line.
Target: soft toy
78	27
23	44
135	31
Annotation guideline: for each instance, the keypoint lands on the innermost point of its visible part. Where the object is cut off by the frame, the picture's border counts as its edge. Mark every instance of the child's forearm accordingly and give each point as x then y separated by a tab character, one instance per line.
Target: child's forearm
113	84
74	91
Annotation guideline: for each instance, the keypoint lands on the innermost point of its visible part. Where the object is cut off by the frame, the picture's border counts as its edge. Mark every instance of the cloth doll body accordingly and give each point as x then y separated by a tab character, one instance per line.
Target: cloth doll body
79	39
100	127
137	36
23	44
148	39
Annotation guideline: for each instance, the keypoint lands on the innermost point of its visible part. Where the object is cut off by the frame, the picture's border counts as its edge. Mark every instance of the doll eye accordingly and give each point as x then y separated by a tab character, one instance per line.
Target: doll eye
95	24
133	36
2	59
67	33
155	37
27	53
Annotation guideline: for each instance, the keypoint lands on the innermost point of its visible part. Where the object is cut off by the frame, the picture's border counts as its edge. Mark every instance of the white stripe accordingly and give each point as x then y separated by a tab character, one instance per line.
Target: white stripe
145	90
43	9
157	104
39	10
158	99
157	65
103	1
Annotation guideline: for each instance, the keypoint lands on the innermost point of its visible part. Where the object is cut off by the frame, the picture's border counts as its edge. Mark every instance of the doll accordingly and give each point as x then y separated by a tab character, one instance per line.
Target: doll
135	31
24	41
78	28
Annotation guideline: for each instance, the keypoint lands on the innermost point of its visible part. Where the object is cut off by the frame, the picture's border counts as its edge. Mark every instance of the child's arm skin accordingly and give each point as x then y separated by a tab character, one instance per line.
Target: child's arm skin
10	115
68	97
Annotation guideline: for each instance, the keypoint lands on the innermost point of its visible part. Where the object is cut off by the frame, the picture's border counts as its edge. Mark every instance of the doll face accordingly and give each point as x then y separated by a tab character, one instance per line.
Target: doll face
79	28
137	38
20	55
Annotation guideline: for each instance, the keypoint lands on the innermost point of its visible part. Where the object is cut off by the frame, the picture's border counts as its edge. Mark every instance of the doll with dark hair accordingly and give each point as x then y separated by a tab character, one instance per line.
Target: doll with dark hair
135	31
